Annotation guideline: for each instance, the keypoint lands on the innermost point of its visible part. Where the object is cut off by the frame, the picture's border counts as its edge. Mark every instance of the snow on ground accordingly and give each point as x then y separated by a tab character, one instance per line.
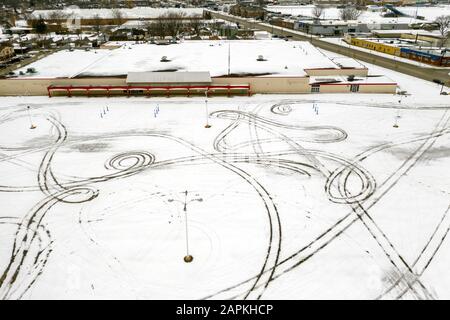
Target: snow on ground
429	13
281	57
288	196
315	196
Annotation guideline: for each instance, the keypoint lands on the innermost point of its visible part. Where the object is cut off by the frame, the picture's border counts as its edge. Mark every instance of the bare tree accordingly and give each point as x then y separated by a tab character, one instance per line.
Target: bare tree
40	26
57	15
349	13
97	21
148	26
157	29
260	3
443	23
195	25
317	12
173	22
79	33
130	4
117	16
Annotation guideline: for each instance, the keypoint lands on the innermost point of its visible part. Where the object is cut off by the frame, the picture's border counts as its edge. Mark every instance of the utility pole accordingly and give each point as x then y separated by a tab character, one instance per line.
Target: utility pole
229	57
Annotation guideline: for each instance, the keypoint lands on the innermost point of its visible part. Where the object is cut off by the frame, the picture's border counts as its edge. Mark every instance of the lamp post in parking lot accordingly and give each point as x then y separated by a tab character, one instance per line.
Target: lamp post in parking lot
188	258
207	126
32	125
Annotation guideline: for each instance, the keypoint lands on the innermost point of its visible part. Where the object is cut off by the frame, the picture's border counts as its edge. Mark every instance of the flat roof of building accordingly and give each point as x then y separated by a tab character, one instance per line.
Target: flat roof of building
334	80
395	42
410	44
220	58
347	63
133	13
169	77
429	13
420	32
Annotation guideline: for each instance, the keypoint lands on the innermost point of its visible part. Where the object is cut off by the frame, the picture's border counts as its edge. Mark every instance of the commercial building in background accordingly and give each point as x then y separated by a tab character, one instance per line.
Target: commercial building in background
339	27
196	67
413	49
112	16
428	38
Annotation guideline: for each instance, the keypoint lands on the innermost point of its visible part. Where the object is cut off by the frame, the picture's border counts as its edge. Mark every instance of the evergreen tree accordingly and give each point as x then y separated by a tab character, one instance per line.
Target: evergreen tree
40	26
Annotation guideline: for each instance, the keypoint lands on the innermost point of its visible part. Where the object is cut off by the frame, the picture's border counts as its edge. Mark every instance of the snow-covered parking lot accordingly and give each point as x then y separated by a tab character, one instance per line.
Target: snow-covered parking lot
306	196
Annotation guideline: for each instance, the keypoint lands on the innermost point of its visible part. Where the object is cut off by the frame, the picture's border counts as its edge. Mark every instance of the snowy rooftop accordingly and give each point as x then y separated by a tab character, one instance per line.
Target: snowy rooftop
280	58
4	38
400	42
409	31
169	77
21	23
332	22
430	13
345	62
345	80
134	13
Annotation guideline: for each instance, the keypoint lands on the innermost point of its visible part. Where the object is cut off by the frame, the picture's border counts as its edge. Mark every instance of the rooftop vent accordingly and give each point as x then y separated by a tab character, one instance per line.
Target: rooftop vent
327	80
260	58
164	59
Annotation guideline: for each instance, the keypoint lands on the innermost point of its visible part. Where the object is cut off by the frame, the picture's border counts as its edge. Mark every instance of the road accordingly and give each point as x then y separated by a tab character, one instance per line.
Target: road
422	72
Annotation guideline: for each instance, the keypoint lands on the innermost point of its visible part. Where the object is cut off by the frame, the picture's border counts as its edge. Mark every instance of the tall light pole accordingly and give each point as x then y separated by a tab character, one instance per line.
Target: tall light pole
207	126
188	258
396	122
398	113
229	58
32	126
